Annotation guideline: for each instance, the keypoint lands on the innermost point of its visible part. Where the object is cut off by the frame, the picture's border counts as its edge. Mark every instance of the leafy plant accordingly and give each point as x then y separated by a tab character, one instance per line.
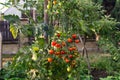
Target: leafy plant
39	62
59	56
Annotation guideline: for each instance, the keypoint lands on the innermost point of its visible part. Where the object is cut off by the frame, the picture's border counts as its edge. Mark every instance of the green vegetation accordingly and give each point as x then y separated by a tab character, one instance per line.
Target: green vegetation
58	58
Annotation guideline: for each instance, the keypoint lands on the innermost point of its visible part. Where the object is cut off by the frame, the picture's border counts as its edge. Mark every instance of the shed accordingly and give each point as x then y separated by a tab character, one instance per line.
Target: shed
13	11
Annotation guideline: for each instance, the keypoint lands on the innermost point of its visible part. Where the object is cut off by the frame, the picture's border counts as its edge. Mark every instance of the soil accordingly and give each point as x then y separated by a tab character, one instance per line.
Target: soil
97	74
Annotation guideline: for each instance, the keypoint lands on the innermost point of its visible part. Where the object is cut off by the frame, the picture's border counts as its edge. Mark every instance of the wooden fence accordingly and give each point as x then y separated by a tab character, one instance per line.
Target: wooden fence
6	38
6	34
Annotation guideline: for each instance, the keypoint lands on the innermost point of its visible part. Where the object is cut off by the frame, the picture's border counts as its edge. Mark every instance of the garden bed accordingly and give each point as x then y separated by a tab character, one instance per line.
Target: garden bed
97	74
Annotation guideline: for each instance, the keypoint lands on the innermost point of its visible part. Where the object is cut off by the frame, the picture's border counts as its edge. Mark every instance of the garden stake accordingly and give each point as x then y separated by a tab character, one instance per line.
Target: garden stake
84	51
46	21
0	50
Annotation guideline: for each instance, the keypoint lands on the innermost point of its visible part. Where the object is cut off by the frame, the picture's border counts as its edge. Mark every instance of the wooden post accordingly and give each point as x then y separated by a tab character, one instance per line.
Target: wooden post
45	12
45	19
0	50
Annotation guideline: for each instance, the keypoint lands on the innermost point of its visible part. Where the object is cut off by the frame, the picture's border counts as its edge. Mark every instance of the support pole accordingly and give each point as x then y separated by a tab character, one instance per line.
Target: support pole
45	19
45	12
0	50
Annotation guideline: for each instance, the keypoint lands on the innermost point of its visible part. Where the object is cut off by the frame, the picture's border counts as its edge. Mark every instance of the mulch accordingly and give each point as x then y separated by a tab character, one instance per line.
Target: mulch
97	74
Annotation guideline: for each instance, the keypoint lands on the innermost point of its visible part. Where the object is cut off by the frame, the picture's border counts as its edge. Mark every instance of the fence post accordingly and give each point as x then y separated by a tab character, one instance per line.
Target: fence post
0	50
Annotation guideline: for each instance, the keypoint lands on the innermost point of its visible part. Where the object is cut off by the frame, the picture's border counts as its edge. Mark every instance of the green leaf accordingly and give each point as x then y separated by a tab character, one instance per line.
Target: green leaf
14	31
12	18
41	42
83	26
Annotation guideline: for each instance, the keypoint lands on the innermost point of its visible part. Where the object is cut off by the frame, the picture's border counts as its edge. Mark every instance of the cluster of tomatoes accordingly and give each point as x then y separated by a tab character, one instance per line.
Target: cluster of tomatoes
64	51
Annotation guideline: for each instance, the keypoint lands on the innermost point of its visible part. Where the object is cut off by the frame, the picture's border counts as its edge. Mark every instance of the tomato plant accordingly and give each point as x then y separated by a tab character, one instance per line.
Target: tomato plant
59	56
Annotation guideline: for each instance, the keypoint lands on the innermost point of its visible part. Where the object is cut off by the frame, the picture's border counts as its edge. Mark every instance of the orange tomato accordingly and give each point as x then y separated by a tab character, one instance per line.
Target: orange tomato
53	43
63	43
50	59
70	49
69	40
77	41
58	45
57	53
74	36
67	60
51	51
74	48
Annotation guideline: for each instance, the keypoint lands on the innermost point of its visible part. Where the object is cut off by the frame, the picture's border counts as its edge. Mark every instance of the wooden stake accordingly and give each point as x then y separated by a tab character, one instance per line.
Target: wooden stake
0	50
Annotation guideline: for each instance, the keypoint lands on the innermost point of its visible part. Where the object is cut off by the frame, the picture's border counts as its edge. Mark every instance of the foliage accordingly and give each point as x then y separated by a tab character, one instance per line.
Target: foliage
38	62
59	56
116	12
98	1
109	40
117	77
109	47
76	14
14	20
103	63
16	26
